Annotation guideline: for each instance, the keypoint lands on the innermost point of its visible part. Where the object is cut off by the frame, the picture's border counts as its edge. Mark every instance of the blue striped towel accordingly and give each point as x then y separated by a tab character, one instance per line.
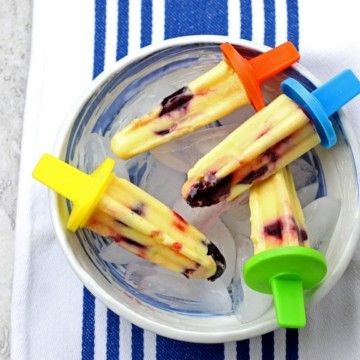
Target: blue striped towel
53	315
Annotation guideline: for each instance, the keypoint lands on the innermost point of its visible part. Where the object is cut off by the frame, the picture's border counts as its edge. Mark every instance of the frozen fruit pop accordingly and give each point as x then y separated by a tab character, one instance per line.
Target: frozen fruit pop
116	208
276	215
288	127
231	84
283	265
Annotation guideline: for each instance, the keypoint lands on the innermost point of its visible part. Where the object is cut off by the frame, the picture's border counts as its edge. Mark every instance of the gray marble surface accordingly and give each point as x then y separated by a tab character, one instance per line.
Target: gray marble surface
15	40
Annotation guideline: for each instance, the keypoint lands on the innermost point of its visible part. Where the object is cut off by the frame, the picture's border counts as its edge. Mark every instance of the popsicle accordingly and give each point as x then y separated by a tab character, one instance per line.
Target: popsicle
283	265
231	84
276	215
117	209
288	127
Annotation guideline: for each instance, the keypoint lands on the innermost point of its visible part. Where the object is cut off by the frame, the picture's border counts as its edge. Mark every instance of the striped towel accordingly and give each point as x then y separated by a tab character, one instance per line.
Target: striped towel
53	315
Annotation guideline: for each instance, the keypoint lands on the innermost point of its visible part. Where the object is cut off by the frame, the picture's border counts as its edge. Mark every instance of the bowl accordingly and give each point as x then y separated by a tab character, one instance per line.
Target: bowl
129	89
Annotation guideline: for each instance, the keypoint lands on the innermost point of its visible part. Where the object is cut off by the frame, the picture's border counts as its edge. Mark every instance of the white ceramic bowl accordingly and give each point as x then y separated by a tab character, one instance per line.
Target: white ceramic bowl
113	96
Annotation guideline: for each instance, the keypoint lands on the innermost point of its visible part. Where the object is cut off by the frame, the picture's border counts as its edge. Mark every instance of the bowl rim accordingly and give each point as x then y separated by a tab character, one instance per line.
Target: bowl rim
126	312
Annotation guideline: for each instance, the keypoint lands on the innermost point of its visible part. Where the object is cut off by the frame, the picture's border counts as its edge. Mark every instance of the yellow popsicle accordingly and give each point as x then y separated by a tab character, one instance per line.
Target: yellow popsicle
117	209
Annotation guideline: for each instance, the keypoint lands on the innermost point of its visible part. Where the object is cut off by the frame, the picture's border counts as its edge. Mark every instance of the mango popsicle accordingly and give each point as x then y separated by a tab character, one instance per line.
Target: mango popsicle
283	265
288	127
115	208
211	96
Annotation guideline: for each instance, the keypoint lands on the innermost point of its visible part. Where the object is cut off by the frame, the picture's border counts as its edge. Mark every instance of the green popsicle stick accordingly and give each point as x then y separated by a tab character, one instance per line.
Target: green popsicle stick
289	302
285	272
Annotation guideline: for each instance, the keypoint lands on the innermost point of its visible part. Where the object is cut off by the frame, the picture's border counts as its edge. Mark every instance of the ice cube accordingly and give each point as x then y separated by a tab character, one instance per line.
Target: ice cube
321	217
201	217
114	253
137	167
238	116
162	182
165	286
93	150
303	173
183	153
156	96
237	220
207	139
221	237
308	194
144	101
248	305
150	98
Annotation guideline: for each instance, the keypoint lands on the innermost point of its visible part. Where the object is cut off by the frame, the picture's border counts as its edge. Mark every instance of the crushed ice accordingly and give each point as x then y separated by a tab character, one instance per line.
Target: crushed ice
303	173
308	194
238	116
162	182
93	150
175	290
248	304
219	235
321	217
227	226
114	253
237	220
200	217
183	153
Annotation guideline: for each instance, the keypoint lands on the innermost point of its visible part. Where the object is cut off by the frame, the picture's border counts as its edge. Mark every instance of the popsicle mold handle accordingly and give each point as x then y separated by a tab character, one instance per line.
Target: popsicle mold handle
324	101
82	189
289	301
260	68
285	272
274	61
59	176
338	91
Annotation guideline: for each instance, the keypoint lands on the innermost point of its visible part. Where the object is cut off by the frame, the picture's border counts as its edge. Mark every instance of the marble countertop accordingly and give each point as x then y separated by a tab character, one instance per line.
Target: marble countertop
15	41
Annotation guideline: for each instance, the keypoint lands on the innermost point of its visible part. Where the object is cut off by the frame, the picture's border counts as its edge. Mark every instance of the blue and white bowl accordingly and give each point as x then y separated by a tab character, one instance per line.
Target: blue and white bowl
126	91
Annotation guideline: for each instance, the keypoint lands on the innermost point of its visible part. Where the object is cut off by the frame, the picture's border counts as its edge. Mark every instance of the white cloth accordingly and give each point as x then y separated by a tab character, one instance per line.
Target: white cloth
47	296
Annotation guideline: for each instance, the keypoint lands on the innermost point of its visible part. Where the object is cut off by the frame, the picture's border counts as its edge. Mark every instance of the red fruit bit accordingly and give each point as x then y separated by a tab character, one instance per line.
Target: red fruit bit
179	222
92	221
177	246
155	233
263	133
142	254
204	92
116	237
